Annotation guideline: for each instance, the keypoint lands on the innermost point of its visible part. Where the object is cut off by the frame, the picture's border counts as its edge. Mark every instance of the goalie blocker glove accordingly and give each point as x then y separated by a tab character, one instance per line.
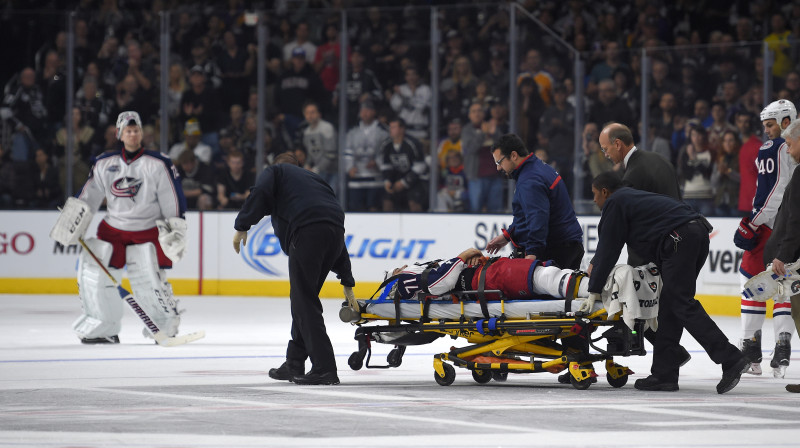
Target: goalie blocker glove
746	238
172	237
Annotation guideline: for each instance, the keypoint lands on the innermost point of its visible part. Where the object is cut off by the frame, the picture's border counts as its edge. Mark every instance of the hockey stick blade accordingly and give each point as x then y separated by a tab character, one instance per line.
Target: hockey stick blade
159	336
182	339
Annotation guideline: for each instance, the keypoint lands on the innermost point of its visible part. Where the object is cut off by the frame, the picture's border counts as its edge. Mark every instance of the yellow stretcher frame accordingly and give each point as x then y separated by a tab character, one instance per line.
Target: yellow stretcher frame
498	345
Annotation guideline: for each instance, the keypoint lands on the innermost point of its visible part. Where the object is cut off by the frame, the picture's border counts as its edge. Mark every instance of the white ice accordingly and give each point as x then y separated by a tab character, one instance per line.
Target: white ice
55	392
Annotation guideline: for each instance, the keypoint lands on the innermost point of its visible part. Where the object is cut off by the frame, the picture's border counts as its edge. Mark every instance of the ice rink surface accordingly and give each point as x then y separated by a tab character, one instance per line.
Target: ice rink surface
55	392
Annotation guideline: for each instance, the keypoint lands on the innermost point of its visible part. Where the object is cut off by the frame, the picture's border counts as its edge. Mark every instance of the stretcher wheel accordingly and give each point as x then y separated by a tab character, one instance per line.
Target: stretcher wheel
482	376
449	375
395	356
617	382
500	376
356	360
580	384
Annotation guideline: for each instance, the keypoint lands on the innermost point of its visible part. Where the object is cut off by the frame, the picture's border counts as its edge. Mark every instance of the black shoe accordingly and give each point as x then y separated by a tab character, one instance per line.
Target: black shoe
793	388
653	383
685	356
317	378
731	375
287	371
104	340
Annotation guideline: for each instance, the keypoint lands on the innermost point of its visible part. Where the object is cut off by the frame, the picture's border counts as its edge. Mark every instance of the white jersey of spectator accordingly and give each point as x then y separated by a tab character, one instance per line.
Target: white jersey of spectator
320	144
136	193
308	47
361	147
412	107
202	151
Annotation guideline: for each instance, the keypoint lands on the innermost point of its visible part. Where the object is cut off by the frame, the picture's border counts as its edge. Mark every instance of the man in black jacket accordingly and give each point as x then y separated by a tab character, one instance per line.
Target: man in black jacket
309	224
675	237
646	171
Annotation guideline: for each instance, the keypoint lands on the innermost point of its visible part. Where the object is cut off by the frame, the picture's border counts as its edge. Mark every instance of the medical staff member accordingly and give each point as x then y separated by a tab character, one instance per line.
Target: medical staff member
675	237
545	226
309	224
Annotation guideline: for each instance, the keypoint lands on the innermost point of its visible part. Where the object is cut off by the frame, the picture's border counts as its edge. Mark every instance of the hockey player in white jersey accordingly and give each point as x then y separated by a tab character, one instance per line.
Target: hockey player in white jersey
775	167
144	228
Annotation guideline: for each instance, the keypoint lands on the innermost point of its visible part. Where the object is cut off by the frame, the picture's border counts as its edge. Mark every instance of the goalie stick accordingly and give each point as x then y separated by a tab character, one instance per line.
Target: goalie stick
160	338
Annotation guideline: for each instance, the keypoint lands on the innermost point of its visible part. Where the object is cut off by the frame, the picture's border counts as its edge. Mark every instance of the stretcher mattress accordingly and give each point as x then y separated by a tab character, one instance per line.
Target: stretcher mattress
516	309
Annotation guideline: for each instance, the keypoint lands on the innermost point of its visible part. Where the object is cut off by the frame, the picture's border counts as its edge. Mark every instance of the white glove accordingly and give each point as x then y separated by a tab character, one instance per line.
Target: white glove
240	237
588	304
172	237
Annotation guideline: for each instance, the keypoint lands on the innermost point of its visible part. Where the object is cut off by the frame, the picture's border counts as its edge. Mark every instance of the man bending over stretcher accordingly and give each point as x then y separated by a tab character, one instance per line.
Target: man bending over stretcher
516	277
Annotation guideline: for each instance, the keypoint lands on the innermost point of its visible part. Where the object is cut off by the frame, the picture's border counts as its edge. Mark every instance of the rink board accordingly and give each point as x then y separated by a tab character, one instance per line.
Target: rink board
30	262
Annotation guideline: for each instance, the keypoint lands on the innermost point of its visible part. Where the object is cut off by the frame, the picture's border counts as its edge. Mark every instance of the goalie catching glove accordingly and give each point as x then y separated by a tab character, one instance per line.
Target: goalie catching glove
72	223
172	237
746	236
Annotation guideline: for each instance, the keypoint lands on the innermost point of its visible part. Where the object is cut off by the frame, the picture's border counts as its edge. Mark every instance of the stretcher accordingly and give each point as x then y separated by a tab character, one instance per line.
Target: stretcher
503	336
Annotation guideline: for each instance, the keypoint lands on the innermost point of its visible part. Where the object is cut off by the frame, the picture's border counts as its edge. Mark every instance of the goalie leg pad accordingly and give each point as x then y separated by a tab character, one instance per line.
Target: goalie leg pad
102	307
151	289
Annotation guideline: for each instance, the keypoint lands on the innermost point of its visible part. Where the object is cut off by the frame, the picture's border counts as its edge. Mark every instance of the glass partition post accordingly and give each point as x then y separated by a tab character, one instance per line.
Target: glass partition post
434	115
70	102
342	131
261	83
164	94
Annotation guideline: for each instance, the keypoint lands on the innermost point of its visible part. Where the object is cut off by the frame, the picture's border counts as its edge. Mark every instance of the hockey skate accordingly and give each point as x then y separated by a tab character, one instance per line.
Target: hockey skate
766	285
781	355
751	349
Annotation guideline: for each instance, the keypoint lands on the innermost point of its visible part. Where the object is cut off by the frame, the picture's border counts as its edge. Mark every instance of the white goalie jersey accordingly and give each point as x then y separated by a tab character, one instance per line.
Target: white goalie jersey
137	191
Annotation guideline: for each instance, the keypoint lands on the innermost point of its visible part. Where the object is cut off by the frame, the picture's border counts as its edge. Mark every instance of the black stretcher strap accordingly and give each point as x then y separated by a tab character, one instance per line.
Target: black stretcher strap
482	287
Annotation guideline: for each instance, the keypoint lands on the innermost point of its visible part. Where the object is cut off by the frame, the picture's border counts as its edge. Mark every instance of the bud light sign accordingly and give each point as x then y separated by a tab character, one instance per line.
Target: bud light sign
262	243
263	249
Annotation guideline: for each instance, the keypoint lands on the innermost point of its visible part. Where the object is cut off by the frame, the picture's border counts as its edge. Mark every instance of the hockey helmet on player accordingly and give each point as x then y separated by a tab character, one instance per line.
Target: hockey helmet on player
779	110
125	119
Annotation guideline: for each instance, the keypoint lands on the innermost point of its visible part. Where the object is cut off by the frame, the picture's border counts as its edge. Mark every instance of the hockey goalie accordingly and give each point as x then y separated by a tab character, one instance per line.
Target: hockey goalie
143	229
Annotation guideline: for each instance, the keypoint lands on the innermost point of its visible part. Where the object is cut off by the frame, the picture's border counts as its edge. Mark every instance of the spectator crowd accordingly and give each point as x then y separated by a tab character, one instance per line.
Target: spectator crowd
706	83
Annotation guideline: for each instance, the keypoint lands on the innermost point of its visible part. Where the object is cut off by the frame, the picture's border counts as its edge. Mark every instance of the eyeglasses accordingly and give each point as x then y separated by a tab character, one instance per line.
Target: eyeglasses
498	162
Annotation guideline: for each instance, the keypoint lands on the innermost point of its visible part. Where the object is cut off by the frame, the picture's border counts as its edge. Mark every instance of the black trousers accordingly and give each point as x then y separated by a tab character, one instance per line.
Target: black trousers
565	256
680	265
315	250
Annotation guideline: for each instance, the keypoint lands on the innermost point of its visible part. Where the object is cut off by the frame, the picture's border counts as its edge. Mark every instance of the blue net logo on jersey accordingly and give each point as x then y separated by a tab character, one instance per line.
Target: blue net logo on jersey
126	187
261	245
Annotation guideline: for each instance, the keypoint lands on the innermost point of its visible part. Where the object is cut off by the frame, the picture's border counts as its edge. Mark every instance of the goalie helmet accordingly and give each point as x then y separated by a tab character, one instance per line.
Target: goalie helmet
779	110
125	119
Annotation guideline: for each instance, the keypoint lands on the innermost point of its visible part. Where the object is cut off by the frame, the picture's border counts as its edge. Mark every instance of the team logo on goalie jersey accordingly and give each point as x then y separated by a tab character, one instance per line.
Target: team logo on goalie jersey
126	187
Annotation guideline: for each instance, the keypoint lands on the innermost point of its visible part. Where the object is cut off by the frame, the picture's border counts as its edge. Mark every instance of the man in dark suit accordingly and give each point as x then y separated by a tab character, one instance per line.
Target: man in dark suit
646	171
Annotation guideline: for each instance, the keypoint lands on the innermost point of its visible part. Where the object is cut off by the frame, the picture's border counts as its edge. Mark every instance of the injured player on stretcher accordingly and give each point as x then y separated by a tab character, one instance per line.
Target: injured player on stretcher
635	289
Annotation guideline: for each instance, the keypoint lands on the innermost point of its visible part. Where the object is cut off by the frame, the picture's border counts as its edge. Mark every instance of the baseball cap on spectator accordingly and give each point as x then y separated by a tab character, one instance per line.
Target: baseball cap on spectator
452	34
368	104
197	69
192	127
298	52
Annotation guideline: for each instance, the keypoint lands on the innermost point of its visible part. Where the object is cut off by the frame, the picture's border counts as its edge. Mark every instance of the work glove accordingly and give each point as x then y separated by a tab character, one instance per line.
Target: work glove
746	237
240	237
588	304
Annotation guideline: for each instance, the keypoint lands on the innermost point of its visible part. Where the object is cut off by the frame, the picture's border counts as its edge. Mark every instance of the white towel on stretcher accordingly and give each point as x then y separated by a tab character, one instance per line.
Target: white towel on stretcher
635	292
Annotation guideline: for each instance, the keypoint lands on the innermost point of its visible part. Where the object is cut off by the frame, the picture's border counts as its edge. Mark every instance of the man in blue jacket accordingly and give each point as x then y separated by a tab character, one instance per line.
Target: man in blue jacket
545	226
